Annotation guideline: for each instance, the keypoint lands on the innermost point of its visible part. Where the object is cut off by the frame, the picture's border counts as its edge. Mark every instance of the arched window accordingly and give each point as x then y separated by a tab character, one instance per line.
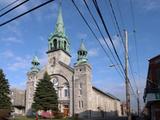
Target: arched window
55	43
65	92
65	45
81	53
59	42
51	47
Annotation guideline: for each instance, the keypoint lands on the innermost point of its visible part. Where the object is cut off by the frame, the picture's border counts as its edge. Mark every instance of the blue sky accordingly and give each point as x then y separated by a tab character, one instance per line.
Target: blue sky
22	39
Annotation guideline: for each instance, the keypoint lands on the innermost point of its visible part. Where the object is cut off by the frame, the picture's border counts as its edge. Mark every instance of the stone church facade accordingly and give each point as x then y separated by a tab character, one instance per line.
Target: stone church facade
76	95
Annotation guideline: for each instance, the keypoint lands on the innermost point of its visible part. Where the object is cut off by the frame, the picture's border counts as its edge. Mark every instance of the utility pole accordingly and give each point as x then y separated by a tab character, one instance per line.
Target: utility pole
138	102
126	77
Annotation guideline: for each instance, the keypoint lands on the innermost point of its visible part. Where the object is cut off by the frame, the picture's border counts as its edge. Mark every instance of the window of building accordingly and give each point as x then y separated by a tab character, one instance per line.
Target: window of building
59	42
80	91
80	88
65	92
65	45
51	46
55	43
80	85
82	103
79	104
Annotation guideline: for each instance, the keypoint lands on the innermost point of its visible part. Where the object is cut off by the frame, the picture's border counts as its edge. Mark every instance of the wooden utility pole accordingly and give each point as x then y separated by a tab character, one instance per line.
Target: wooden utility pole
138	102
126	77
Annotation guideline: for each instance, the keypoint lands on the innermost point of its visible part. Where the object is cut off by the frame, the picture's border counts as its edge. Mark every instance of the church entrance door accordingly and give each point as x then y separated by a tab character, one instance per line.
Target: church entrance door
66	110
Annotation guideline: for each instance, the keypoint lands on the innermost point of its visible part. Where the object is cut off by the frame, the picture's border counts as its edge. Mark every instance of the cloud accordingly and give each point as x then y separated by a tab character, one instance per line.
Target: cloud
82	35
7	54
116	41
19	64
19	9
93	52
150	4
11	40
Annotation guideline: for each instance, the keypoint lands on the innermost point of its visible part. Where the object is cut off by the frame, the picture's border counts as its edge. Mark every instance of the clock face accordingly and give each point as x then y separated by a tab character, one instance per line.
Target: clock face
54	81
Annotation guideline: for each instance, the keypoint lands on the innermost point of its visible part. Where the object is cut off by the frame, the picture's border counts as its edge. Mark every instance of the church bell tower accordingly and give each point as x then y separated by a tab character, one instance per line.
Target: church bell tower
58	43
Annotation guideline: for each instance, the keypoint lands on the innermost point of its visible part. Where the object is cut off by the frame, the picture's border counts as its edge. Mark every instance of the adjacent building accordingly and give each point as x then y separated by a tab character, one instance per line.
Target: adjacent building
18	101
76	95
152	90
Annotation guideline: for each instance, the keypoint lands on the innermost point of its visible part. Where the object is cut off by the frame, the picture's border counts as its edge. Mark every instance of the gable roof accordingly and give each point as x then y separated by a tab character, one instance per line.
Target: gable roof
107	94
66	66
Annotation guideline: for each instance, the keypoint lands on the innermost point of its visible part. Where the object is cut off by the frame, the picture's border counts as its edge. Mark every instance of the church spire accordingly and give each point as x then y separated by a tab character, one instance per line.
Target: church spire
59	29
35	64
58	40
82	54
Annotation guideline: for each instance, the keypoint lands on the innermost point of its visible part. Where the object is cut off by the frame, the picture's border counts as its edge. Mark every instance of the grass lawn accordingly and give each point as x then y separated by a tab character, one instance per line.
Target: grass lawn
25	118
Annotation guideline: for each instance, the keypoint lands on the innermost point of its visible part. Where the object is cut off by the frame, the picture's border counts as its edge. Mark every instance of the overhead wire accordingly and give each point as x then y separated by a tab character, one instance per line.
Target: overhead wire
118	27
104	39
134	36
14	18
103	22
106	29
93	33
136	49
116	21
9	5
13	8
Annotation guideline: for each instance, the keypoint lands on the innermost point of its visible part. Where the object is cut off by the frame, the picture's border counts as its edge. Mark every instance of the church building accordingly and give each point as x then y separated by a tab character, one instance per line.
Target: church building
73	84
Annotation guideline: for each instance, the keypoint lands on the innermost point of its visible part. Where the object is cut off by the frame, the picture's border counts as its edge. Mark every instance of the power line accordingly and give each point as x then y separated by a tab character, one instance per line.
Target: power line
8	21
9	5
134	35
106	29
112	20
101	33
94	34
116	21
101	17
113	12
13	8
120	13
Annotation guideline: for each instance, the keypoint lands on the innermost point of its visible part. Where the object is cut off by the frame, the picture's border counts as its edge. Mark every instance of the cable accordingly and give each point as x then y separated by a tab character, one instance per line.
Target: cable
134	35
135	39
93	33
116	21
100	15
101	33
120	13
106	29
26	12
9	5
112	20
131	70
13	8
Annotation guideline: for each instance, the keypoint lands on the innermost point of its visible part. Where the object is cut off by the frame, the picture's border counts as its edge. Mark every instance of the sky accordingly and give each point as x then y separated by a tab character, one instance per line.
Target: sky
28	36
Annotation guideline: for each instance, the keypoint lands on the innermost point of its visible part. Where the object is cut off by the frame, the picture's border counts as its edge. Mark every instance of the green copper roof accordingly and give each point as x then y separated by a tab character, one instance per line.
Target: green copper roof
82	47
82	54
35	63
59	29
58	40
